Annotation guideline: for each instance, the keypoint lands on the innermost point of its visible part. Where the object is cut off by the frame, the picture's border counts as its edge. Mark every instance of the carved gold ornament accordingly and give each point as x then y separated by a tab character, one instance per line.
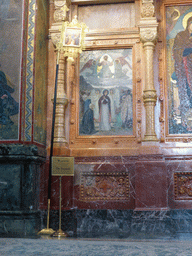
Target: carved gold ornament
148	35
61	14
72	39
147	10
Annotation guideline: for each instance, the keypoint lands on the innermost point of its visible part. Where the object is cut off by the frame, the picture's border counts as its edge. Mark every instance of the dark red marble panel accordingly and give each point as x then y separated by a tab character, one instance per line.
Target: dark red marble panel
66	192
151	184
43	192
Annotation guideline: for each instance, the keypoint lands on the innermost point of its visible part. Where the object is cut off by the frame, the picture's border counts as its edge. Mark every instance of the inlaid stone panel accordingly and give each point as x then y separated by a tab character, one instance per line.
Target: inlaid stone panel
104	186
183	185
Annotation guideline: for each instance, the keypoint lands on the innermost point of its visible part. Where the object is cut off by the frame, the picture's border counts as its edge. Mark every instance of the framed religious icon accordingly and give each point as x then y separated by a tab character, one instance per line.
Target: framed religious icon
72	37
106	93
179	65
104	102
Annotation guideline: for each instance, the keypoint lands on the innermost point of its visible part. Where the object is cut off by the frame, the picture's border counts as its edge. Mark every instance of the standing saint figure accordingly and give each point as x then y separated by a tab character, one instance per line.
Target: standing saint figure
87	125
182	53
127	109
95	95
104	112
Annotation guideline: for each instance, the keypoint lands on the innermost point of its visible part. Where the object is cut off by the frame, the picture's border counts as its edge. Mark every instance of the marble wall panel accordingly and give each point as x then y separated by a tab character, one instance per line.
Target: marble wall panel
10	193
151	183
105	223
67	192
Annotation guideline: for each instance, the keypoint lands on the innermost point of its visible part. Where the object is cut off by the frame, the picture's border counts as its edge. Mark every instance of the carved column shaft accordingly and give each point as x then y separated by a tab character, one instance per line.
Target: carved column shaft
149	69
148	34
149	94
61	8
59	136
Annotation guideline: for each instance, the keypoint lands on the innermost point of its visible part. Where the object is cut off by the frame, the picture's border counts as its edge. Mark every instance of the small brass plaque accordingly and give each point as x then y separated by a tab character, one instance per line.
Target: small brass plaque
62	166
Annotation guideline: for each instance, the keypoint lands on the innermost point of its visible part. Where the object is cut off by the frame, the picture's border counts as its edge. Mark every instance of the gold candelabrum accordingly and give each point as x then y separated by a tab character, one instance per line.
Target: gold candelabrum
68	39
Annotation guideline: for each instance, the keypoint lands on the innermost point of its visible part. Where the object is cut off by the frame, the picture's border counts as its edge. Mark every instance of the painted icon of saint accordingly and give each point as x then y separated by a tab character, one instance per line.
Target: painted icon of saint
182	53
105	112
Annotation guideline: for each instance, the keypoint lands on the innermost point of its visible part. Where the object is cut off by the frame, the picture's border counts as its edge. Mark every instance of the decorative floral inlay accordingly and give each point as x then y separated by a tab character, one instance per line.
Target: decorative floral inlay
104	186
183	185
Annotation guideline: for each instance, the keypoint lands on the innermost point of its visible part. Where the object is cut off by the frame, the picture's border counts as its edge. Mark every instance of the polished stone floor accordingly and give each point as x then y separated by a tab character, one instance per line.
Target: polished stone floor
92	247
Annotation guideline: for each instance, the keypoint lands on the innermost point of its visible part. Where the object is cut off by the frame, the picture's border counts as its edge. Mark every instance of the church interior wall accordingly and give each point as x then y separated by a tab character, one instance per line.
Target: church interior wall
132	178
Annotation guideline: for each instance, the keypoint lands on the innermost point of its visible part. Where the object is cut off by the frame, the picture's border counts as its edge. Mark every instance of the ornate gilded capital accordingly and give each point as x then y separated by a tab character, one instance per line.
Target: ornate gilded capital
148	34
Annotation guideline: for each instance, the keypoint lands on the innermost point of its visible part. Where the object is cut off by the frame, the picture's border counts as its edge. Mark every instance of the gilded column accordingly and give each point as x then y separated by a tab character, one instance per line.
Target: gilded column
60	15
148	34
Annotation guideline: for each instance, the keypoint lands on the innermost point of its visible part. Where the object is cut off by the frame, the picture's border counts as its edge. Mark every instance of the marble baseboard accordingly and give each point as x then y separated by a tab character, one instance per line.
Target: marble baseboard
19	223
107	223
130	224
170	224
153	224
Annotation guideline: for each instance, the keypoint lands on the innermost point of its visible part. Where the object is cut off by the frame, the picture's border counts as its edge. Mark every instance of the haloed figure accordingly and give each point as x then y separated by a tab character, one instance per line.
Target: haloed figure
182	52
105	112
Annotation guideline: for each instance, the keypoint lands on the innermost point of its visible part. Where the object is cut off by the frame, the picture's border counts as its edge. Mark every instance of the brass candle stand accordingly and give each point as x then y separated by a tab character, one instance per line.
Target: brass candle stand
47	231
61	166
59	233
